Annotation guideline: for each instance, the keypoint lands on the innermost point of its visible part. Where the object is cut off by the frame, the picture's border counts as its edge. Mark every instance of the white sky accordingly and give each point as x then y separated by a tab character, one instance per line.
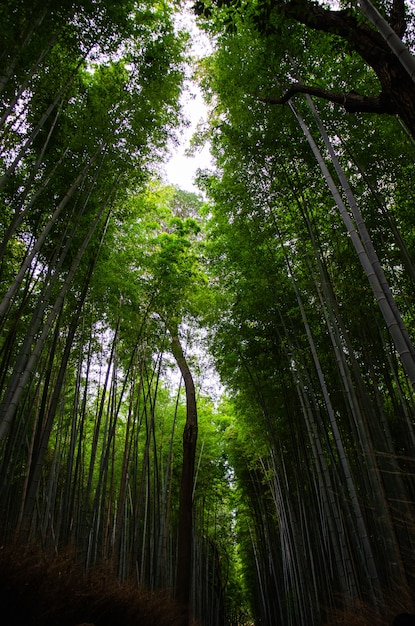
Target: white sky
180	170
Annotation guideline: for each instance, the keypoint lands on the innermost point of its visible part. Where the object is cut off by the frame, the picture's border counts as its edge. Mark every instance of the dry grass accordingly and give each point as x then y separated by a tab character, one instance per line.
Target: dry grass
36	590
39	591
359	613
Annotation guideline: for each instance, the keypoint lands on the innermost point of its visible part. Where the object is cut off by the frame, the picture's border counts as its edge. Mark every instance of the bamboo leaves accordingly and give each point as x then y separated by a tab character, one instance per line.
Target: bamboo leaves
307	363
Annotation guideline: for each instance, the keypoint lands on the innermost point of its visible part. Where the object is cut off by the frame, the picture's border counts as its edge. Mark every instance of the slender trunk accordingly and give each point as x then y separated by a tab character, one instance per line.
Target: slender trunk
8	72
360	412
36	130
185	531
360	522
394	326
9	408
165	503
406	258
363	232
23	210
35	67
4	305
330	492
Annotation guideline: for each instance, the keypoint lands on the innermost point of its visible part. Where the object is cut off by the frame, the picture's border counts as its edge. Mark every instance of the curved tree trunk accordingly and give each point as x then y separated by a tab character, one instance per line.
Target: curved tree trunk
185	538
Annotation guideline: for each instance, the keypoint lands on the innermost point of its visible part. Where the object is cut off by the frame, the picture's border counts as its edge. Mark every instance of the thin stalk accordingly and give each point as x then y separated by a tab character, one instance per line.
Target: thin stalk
392	324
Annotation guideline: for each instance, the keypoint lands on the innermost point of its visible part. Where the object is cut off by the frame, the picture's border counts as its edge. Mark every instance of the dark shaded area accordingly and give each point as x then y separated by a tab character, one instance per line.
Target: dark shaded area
36	590
404	619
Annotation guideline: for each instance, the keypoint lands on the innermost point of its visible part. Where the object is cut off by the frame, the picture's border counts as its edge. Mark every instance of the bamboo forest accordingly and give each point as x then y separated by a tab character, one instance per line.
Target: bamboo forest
207	397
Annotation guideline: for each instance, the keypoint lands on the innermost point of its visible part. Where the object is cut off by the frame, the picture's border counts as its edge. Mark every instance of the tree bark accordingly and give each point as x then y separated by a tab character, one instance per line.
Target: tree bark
185	532
392	36
397	89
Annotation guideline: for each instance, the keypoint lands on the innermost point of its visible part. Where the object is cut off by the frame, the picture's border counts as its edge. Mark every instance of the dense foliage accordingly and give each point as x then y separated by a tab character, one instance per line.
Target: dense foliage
293	270
314	327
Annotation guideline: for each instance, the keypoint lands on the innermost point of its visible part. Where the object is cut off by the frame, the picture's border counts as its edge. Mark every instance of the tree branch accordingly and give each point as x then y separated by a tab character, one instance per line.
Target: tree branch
351	101
362	37
397	18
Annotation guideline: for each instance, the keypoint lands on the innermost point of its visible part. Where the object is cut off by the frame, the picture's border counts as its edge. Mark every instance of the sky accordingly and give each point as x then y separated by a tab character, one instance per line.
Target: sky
180	170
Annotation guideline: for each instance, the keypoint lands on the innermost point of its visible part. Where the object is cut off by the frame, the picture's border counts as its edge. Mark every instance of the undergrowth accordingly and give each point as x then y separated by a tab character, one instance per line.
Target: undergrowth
359	613
38	590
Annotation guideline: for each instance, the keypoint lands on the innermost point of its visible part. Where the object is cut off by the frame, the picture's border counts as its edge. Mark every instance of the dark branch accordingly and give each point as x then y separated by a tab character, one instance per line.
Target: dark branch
351	101
398	17
362	37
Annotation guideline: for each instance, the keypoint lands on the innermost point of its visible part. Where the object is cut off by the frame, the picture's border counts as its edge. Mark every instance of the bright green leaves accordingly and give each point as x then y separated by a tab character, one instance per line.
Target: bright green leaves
176	271
154	260
295	332
313	45
90	100
232	16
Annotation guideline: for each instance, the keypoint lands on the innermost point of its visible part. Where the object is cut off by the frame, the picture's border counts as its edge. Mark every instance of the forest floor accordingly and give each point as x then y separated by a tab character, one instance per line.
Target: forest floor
360	613
48	590
36	590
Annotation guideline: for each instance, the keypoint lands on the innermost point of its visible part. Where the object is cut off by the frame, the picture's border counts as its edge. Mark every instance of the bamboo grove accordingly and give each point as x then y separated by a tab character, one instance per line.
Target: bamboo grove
311	237
90	460
293	272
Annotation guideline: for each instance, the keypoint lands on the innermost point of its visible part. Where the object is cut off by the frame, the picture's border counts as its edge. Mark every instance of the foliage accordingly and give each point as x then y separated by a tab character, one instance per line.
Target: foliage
312	372
303	488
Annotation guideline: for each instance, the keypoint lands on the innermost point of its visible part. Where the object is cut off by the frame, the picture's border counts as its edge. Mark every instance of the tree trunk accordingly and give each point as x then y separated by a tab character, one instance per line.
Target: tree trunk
390	36
185	537
390	314
397	88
